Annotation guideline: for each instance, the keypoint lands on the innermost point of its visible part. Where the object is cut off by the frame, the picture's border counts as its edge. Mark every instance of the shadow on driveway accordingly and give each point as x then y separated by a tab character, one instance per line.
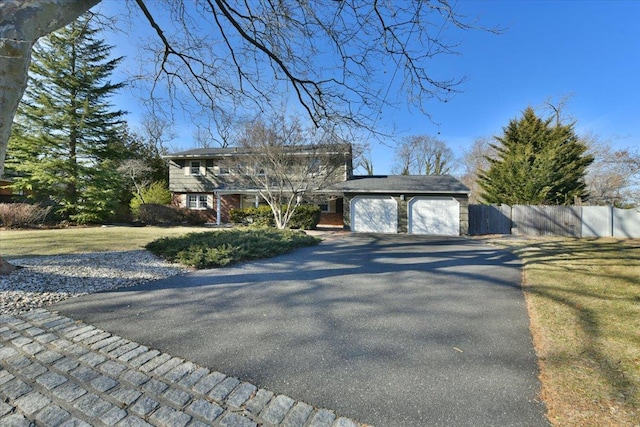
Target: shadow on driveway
392	330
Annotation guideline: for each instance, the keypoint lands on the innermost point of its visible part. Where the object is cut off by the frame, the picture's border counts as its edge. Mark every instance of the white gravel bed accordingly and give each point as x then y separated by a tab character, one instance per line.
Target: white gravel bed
45	280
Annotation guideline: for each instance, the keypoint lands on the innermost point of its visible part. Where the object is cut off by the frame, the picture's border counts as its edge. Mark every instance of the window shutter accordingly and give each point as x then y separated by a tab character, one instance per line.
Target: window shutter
187	167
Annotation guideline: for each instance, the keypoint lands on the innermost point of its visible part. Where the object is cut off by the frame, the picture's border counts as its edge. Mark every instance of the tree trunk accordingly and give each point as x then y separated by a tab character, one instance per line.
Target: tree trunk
15	56
22	23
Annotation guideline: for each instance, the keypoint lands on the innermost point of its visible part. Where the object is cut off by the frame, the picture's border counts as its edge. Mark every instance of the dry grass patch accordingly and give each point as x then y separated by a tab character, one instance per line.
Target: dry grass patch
18	243
583	297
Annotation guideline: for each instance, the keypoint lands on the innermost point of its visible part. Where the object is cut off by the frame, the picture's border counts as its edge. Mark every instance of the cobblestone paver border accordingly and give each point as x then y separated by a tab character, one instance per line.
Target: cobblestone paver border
60	372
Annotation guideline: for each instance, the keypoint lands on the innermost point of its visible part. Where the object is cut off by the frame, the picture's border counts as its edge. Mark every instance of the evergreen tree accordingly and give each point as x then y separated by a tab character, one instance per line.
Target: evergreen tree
65	143
537	162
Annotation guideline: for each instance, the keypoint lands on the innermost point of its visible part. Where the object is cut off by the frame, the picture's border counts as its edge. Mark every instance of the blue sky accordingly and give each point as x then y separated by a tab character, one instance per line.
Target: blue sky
588	50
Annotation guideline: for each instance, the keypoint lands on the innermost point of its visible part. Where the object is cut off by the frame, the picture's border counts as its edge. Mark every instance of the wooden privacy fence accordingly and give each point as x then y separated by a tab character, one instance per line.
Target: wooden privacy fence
571	221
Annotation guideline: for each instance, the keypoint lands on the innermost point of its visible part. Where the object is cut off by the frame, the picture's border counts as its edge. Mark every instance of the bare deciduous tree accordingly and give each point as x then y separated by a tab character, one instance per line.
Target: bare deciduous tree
362	158
146	146
423	155
614	177
157	133
138	172
286	163
218	134
474	161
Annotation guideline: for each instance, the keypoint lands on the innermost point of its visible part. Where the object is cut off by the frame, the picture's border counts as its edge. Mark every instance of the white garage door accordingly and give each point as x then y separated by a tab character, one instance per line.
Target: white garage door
434	215
374	214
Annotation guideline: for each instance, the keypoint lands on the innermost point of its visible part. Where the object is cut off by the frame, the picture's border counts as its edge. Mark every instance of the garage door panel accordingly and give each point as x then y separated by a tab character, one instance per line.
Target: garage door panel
370	214
435	216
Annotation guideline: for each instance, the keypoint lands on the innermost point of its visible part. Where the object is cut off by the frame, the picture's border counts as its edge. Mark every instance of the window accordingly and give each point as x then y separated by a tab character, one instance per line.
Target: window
259	170
223	169
241	169
314	166
195	167
328	207
197	201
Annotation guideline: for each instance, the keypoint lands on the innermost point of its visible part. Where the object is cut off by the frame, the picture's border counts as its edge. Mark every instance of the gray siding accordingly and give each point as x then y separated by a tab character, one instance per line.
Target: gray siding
211	180
464	214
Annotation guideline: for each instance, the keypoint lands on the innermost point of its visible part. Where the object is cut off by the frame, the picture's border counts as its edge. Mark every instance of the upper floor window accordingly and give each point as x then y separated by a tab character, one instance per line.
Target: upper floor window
194	168
223	169
241	169
314	166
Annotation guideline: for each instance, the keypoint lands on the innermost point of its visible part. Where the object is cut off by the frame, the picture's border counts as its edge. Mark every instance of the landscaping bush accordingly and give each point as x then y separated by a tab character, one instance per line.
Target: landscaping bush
224	247
238	216
16	215
306	217
194	217
153	214
157	194
260	216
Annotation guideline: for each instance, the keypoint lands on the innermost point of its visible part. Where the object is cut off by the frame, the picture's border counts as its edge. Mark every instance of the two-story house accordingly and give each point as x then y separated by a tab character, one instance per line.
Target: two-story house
216	180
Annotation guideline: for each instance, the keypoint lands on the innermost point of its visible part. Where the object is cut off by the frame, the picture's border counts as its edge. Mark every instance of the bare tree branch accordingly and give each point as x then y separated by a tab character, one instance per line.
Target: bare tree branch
423	155
286	163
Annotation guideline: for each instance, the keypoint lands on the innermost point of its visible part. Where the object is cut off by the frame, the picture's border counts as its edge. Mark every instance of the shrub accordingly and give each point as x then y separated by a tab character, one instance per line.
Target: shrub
238	216
260	216
153	214
224	247
16	215
306	217
194	217
201	257
159	214
156	194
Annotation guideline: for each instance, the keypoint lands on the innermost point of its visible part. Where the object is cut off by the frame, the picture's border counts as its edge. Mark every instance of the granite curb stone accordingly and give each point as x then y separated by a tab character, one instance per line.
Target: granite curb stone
58	371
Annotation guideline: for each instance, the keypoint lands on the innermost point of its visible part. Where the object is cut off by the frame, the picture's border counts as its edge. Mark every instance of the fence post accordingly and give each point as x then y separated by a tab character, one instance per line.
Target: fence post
612	220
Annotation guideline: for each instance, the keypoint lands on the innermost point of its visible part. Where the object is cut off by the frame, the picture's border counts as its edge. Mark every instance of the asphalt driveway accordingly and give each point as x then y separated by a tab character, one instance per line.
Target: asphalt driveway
392	330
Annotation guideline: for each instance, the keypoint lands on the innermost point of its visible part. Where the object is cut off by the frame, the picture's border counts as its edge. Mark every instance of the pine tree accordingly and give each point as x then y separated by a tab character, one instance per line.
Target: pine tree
537	162
65	139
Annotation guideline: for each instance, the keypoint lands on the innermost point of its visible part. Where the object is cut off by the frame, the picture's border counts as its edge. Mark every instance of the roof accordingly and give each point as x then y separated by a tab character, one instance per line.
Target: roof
234	151
203	152
416	184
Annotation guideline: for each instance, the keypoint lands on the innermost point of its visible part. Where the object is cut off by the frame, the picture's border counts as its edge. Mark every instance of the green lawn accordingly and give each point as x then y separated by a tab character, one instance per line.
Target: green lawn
18	243
583	297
